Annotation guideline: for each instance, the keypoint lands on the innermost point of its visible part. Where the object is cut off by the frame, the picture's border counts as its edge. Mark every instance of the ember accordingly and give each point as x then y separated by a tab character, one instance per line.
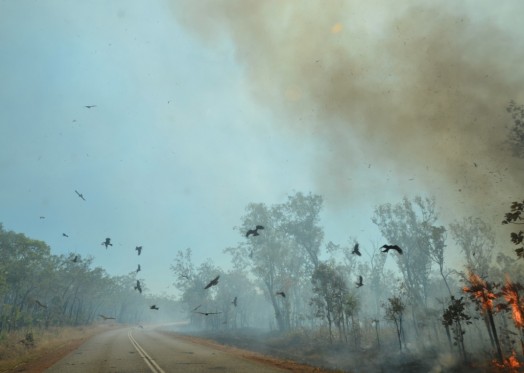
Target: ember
511	364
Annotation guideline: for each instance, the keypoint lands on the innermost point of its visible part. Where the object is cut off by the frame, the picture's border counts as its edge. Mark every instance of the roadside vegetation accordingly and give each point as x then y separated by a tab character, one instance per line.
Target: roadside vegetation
292	293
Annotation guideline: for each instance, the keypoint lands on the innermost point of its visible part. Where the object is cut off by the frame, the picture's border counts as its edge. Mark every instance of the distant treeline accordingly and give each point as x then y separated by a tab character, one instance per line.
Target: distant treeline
38	289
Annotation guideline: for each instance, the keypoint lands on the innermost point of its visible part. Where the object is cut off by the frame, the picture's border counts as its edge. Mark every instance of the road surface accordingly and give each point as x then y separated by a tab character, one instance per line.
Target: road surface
131	350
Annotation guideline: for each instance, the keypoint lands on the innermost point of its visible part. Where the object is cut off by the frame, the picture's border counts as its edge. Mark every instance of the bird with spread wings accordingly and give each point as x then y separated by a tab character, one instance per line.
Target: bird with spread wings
254	232
386	248
213	282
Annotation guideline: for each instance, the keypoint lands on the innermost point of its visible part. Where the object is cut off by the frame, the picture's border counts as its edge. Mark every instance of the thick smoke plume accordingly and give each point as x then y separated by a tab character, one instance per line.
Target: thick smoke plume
408	98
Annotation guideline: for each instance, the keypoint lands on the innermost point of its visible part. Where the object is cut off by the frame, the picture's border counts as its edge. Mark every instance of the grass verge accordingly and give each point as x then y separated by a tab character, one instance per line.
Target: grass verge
49	346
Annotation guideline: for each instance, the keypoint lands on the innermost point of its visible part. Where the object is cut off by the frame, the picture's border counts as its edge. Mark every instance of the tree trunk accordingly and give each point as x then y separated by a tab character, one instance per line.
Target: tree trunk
448	334
378	338
492	324
491	339
398	334
328	316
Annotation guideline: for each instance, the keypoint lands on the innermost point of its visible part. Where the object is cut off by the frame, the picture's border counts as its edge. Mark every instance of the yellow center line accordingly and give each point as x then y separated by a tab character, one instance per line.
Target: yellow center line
148	359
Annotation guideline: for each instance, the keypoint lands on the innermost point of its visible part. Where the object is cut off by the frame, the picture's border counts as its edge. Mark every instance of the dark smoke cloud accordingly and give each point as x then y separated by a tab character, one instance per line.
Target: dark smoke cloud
390	93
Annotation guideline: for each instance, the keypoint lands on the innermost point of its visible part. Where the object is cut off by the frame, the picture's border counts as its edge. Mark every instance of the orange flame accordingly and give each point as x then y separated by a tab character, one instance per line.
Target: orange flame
510	292
511	364
481	291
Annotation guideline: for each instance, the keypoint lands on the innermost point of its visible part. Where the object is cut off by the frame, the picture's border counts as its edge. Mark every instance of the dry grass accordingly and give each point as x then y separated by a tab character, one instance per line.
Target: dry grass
49	346
313	350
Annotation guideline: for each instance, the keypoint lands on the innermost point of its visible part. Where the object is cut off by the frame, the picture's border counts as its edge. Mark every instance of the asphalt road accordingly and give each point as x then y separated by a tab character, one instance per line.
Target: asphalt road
130	350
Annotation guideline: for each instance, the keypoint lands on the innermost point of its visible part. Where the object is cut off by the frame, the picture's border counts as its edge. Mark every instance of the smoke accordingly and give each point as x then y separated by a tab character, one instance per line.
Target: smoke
411	97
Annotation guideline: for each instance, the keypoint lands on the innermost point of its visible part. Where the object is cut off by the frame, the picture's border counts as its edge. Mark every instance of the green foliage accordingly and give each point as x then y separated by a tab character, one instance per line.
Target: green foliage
38	289
454	314
515	216
394	312
332	300
394	309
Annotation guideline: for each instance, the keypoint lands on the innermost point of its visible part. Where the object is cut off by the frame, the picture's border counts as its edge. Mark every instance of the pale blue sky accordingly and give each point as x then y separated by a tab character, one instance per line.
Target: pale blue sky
180	140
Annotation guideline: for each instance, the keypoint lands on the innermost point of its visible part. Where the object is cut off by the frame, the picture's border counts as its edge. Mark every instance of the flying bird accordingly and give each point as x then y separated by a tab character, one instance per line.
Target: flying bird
208	313
281	293
356	251
107	242
65	235
42	217
40	303
139	249
391	247
254	232
89	106
212	282
138	287
359	283
154	307
80	195
234	301
138	269
106	317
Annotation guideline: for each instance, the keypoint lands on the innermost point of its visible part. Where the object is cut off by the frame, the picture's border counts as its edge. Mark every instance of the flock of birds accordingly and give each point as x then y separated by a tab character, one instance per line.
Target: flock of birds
106	243
384	249
254	232
214	282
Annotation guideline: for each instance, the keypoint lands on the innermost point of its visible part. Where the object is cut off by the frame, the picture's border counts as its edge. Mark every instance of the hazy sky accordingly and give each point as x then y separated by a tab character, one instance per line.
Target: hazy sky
205	106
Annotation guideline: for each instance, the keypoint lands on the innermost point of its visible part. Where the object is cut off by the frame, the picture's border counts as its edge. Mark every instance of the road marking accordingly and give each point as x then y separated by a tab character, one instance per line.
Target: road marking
149	361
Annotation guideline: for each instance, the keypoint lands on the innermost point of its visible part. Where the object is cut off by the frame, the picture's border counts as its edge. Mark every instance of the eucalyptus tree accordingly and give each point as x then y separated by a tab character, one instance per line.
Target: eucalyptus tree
330	291
301	215
410	225
24	265
268	256
377	280
283	256
453	317
476	240
437	242
333	301
394	312
191	281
